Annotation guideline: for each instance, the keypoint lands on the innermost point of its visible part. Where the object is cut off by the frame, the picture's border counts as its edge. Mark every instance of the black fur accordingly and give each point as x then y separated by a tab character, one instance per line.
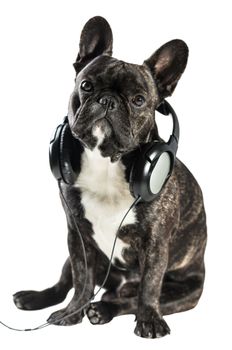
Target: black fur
165	261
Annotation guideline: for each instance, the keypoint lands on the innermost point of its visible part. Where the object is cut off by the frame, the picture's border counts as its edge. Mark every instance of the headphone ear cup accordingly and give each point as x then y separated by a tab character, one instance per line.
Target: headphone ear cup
65	154
70	156
160	172
152	167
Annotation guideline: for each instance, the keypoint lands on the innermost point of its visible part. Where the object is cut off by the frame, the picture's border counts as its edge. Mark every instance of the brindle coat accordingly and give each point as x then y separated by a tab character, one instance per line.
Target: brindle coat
165	260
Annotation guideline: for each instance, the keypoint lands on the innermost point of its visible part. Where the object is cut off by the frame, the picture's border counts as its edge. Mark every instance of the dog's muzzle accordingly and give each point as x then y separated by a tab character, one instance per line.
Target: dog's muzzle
108	102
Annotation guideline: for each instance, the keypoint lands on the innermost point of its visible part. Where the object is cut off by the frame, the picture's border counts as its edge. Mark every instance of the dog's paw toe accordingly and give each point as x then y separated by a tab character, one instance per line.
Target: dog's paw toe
156	329
65	317
99	313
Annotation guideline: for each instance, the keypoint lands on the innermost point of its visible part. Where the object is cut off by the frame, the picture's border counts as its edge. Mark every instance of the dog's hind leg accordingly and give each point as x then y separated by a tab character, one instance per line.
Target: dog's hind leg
35	300
121	301
104	311
179	293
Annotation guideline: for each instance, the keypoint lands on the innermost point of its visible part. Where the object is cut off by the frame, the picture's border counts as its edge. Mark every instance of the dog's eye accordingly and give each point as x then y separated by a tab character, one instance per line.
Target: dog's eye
86	86
138	100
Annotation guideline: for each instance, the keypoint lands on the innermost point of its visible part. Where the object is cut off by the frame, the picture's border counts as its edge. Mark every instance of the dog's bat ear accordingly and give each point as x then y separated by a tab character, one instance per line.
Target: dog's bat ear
167	65
96	39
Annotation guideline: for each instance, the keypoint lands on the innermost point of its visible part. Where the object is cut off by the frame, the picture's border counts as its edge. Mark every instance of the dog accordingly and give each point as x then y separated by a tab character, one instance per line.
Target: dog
158	265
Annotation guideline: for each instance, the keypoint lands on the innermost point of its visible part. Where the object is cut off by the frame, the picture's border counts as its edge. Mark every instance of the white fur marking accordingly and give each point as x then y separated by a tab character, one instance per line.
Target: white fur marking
97	132
105	197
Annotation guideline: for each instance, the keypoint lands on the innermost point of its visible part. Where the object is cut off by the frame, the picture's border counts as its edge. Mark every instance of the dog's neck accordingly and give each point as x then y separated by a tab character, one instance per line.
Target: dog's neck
94	165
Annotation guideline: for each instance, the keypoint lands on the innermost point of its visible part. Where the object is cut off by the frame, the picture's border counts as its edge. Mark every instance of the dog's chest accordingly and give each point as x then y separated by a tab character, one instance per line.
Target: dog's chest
106	198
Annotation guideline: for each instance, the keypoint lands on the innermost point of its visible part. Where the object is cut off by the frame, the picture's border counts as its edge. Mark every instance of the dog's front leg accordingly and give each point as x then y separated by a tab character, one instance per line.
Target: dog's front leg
153	261
81	297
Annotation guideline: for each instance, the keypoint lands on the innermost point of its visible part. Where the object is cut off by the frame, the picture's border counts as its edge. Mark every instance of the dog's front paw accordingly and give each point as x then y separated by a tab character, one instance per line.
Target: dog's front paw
65	317
28	300
151	325
100	312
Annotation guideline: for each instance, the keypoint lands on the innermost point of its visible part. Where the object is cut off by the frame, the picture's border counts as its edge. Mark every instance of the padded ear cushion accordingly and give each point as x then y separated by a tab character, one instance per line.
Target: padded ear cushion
152	167
54	152
70	155
65	154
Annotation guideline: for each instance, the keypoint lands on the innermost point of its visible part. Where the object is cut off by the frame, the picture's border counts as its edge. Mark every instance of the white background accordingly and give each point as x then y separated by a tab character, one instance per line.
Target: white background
38	43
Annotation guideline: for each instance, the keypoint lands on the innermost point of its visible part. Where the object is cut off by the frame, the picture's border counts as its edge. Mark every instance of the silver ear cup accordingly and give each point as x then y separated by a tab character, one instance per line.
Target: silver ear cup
160	172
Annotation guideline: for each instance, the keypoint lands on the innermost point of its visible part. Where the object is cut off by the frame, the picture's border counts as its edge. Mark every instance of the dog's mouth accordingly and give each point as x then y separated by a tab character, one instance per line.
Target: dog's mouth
107	143
101	129
100	135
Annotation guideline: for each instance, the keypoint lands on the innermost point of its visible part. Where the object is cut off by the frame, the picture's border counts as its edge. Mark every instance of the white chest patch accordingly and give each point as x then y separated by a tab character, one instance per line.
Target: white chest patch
106	197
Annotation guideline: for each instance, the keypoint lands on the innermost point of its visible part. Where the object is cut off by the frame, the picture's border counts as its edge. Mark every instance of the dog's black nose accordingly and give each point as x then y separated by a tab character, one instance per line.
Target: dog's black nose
109	102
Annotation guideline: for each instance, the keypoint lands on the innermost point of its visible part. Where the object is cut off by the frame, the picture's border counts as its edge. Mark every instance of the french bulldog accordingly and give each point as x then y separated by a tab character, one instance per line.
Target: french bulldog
158	263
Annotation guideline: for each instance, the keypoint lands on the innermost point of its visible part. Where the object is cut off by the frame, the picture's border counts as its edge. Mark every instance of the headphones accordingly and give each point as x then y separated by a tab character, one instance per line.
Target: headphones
152	167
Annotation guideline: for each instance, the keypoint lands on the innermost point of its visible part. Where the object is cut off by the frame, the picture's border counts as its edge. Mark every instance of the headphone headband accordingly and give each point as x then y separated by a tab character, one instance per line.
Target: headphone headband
165	108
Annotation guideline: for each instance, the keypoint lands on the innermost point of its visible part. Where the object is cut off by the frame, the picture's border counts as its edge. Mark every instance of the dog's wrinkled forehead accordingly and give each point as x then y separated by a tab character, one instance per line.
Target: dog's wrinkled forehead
118	76
165	65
